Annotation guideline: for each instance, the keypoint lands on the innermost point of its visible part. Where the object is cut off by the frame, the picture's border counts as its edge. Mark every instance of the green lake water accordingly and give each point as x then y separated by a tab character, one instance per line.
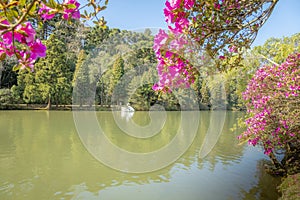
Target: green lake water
171	156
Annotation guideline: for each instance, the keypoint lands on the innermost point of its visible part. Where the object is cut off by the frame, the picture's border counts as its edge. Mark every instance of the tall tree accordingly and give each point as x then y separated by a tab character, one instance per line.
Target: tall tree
276	50
81	80
117	73
52	76
95	36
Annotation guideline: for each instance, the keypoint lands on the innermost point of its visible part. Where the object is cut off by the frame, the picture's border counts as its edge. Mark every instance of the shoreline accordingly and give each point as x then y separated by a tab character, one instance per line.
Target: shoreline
86	107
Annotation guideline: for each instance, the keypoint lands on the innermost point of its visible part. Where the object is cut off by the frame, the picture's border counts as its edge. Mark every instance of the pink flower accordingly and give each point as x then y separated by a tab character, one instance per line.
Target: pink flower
268	151
233	49
8	49
26	61
25	33
292	134
37	49
178	43
174	4
6	37
169	15
217	6
180	25
45	12
157	87
188	4
294	87
71	12
253	142
159	40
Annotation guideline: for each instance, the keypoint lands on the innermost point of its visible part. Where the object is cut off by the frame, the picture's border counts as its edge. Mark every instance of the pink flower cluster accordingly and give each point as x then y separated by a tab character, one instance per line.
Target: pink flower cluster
21	41
173	70
24	34
273	105
176	12
48	13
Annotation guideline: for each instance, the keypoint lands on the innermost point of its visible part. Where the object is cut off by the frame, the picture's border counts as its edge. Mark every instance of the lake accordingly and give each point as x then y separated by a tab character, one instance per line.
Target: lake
120	156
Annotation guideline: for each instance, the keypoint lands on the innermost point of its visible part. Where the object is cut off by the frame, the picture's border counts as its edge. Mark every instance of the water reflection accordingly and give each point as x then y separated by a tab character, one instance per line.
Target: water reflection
101	143
262	189
42	157
126	115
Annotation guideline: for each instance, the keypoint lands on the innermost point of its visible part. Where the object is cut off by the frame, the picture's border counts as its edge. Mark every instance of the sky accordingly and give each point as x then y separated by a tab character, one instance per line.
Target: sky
140	14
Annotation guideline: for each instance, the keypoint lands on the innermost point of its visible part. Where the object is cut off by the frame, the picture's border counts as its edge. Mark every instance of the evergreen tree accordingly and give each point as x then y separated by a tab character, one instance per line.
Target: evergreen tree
52	76
117	73
81	80
8	77
95	37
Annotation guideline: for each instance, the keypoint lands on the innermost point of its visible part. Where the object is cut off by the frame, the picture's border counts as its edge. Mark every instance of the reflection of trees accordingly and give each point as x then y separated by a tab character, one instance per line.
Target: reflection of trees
266	188
48	158
132	144
226	149
48	161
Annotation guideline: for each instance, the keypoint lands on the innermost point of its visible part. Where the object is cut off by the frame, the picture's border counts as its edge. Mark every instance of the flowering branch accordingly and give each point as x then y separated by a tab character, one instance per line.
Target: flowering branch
221	27
17	36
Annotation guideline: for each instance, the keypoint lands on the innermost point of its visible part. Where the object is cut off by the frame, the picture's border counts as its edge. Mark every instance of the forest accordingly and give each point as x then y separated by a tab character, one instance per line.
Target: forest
54	58
100	66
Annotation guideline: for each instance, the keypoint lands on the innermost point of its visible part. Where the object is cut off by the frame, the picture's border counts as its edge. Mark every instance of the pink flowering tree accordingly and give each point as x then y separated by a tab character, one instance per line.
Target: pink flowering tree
17	34
221	27
174	68
273	107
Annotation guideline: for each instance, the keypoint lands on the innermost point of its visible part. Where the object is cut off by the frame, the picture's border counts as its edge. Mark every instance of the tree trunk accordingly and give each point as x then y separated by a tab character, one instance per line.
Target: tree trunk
275	162
48	107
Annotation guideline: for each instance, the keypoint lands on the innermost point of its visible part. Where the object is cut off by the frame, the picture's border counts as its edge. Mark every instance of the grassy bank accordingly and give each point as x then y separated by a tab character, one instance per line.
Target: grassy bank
53	107
290	187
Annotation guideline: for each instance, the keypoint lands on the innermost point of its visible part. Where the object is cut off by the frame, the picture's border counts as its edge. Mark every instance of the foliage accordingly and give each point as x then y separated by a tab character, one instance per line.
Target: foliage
220	29
95	36
81	80
276	50
5	96
290	187
116	75
18	36
143	97
273	105
7	77
51	81
138	58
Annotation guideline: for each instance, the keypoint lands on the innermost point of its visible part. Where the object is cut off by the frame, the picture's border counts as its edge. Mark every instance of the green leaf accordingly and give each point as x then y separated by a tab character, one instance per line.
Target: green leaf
71	6
22	2
18	56
106	2
103	8
9	16
16	67
13	3
52	4
33	9
3	56
15	13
